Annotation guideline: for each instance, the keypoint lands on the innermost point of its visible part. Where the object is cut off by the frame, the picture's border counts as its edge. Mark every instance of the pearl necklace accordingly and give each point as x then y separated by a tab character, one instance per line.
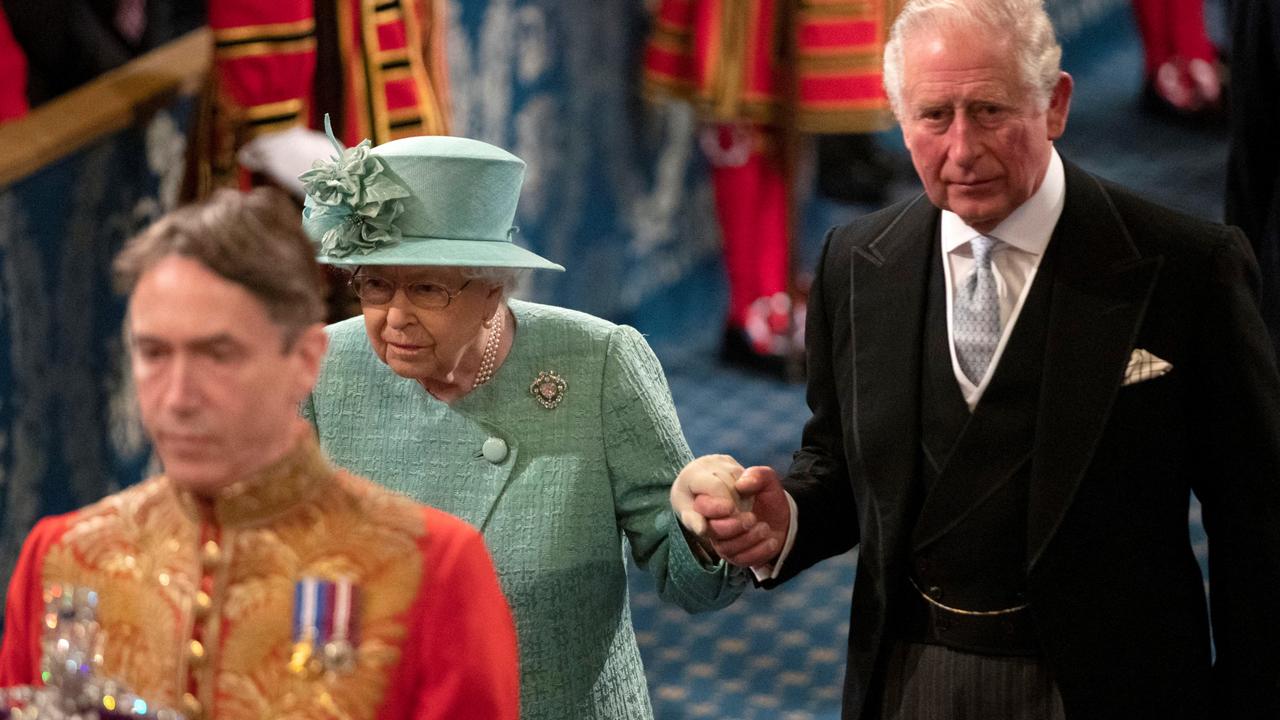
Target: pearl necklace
490	355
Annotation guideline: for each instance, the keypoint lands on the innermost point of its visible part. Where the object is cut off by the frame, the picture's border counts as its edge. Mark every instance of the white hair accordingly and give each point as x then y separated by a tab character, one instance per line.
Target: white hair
1024	24
507	278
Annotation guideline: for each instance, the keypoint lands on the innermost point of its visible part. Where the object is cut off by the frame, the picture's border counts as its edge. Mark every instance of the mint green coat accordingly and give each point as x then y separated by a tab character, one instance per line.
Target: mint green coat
554	495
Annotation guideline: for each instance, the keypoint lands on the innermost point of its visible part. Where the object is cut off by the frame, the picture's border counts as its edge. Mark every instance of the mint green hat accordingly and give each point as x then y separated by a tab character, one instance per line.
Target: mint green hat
429	200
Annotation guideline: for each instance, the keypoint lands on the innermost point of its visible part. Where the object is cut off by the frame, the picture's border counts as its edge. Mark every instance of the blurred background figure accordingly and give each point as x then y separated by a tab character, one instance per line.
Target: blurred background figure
376	68
70	42
1253	169
758	73
1180	63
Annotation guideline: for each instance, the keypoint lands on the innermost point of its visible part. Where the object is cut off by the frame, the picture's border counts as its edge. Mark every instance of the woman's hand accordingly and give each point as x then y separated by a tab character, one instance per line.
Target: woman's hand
743	514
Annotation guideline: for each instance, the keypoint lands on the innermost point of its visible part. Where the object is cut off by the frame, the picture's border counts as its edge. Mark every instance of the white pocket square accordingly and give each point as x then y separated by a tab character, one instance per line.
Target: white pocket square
1144	366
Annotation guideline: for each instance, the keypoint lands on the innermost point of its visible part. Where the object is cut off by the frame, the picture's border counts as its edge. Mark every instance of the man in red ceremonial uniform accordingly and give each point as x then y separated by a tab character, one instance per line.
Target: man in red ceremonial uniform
758	71
376	66
252	579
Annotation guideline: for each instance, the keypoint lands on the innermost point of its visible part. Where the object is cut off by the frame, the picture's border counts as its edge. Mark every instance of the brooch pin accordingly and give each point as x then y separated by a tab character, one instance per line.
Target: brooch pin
323	627
548	389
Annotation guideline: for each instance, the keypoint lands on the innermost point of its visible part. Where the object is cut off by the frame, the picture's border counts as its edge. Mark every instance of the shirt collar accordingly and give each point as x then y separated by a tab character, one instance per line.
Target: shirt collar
1028	227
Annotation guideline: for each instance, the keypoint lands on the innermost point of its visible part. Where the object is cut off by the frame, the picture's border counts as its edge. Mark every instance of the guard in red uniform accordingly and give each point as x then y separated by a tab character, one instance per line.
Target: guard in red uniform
757	70
376	66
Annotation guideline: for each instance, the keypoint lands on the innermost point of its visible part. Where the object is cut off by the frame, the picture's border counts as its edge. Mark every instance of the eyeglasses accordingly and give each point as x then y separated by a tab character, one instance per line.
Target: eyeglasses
377	290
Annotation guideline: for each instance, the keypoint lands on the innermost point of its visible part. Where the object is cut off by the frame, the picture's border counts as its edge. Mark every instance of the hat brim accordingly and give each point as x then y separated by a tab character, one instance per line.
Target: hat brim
441	251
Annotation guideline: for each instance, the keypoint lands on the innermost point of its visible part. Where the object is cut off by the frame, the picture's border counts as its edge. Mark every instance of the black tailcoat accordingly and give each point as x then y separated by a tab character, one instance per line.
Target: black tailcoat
1113	581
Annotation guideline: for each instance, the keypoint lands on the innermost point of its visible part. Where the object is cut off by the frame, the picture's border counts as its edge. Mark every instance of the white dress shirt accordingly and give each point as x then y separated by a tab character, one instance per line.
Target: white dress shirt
1024	237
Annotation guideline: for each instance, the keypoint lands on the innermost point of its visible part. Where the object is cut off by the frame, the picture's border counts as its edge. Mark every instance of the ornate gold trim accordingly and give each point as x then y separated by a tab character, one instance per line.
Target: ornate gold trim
265	48
257	112
266	32
433	118
373	59
360	119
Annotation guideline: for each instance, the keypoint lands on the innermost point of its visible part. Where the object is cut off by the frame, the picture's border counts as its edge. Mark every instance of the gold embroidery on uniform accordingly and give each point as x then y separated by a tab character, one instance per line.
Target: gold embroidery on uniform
348	531
128	547
297	519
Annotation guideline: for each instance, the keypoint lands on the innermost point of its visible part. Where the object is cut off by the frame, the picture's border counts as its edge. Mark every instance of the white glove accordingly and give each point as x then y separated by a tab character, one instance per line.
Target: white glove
284	155
707	475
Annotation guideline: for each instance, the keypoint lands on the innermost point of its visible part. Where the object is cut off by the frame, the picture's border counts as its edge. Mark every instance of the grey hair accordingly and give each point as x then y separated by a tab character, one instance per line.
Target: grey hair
1024	23
505	277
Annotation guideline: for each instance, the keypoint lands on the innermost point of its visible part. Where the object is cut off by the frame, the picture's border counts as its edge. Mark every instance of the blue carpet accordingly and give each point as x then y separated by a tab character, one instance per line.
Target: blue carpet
780	654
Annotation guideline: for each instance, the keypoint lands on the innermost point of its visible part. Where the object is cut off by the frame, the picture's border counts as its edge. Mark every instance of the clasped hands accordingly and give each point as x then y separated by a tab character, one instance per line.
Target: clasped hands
742	514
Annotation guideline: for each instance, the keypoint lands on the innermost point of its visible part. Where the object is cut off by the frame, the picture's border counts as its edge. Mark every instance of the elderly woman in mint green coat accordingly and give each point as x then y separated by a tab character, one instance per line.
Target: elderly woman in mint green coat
551	431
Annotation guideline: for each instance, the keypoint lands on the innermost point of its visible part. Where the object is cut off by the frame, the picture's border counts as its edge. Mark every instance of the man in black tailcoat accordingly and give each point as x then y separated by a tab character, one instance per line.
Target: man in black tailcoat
1017	380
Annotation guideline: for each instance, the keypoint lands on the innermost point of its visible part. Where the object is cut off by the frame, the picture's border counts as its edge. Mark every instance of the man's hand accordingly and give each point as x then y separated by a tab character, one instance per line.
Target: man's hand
744	514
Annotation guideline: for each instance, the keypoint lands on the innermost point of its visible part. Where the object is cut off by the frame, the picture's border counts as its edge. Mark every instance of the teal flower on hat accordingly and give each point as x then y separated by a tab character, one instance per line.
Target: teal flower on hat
352	202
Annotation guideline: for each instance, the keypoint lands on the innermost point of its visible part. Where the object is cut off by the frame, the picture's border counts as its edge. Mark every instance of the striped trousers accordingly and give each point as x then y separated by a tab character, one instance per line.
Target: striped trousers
932	682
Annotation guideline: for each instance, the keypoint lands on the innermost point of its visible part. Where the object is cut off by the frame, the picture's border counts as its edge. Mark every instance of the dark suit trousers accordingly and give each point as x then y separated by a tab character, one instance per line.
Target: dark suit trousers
931	682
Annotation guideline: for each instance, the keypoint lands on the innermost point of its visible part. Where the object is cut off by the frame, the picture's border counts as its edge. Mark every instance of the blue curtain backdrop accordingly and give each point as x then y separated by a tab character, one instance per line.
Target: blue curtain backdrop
68	425
615	190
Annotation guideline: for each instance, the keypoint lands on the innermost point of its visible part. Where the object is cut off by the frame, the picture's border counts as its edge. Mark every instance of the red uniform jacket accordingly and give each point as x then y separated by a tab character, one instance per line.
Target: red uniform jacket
197	598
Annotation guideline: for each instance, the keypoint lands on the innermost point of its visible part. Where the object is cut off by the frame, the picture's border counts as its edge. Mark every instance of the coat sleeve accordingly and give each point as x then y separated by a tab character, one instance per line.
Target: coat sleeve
24	606
466	638
645	450
818	479
1238	483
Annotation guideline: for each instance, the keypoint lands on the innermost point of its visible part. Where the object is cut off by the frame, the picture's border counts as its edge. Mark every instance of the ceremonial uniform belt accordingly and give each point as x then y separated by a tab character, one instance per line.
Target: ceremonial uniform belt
1006	631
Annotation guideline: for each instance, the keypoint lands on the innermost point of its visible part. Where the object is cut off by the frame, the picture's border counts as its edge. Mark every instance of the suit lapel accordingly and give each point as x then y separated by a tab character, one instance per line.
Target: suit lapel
1100	293
887	309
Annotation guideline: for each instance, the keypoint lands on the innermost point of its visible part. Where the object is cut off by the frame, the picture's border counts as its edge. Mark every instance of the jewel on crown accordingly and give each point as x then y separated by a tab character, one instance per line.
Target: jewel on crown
70	665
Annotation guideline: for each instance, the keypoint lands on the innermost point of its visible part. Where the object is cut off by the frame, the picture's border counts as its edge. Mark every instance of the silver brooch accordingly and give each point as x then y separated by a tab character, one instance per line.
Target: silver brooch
548	389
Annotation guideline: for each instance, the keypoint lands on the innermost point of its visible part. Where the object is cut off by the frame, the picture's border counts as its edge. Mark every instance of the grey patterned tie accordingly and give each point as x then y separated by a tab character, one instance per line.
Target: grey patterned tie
977	312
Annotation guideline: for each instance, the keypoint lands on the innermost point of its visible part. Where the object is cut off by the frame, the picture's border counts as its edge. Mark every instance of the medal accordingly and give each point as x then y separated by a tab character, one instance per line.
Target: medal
339	652
323	634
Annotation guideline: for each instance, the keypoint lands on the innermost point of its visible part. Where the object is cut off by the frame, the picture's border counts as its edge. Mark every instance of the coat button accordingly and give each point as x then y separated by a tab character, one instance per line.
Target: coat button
494	450
211	555
195	653
191	707
203	604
